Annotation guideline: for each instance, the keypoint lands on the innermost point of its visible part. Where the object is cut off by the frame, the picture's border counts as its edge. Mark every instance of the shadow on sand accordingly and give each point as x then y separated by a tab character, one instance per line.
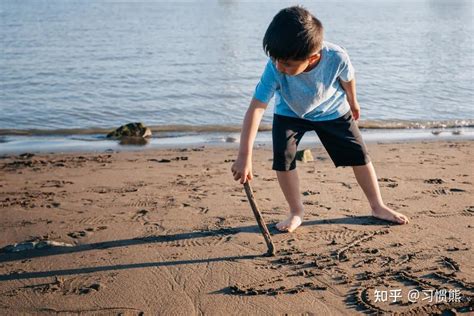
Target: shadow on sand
7	257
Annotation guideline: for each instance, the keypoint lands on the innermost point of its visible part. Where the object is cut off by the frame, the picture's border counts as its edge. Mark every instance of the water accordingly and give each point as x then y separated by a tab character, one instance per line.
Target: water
182	66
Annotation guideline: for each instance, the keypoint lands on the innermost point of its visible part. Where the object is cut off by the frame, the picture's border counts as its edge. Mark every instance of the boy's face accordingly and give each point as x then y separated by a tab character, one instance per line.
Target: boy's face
292	67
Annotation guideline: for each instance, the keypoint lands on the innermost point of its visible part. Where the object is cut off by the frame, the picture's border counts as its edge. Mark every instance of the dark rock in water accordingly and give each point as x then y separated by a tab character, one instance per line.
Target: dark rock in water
26	155
130	130
136	141
231	139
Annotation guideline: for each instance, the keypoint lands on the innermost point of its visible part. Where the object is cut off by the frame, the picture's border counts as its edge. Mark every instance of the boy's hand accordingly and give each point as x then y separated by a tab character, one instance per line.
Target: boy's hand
355	109
242	169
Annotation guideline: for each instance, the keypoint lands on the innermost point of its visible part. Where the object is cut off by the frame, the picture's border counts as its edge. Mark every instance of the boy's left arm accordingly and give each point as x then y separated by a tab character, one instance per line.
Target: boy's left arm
350	89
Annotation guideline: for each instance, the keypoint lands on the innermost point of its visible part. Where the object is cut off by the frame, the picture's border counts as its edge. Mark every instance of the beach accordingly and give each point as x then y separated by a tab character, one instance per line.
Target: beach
169	232
98	223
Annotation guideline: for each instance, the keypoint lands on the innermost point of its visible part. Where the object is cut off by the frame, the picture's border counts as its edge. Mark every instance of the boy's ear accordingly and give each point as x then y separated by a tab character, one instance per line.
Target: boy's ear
314	57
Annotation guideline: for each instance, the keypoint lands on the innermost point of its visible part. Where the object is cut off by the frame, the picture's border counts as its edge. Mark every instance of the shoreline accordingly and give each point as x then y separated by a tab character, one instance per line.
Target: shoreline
375	124
98	143
169	231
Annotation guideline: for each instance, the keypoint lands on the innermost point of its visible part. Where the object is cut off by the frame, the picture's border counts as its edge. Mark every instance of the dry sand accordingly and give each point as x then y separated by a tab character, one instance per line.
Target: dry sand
169	232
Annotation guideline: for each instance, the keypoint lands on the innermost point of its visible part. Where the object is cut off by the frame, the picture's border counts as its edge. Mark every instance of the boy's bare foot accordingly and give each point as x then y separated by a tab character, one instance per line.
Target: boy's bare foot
291	223
388	214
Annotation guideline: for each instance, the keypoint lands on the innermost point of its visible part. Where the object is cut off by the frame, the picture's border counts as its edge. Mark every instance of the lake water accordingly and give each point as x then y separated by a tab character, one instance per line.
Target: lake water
82	66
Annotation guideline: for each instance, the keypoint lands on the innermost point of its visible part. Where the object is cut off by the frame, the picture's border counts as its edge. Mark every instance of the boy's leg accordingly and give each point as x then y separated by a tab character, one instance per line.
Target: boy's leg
342	139
367	180
290	185
287	133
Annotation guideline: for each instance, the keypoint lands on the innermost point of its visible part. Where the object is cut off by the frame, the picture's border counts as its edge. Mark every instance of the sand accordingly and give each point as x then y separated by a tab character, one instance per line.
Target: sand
169	232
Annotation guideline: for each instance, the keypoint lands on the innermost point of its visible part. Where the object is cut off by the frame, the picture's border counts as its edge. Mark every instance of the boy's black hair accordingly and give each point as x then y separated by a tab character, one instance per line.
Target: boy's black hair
294	33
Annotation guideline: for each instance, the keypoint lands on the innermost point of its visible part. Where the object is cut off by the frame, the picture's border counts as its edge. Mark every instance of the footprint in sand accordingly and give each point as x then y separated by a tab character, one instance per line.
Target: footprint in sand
151	227
143	203
141	216
102	190
434	181
77	234
72	286
98	220
31	199
95	229
387	182
203	210
469	211
55	183
310	192
444	191
123	190
84	233
466	212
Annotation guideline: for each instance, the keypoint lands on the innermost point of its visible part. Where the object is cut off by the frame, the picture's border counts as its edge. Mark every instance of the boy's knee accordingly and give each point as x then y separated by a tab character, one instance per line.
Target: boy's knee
284	168
284	158
284	162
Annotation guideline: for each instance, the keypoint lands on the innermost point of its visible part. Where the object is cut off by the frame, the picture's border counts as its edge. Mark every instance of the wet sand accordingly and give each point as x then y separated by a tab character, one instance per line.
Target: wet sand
169	232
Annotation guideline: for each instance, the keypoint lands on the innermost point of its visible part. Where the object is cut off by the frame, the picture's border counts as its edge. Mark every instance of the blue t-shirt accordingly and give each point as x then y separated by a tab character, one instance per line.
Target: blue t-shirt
315	95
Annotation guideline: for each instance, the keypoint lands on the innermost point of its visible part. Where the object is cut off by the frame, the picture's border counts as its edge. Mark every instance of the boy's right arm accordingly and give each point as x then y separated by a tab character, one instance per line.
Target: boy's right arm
242	167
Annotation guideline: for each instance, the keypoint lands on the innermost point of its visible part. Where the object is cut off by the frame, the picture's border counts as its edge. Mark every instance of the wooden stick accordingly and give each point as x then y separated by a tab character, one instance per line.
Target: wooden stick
259	218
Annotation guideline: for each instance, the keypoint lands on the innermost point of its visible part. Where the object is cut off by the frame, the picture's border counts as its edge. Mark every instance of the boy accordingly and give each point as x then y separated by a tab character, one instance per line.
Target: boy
315	90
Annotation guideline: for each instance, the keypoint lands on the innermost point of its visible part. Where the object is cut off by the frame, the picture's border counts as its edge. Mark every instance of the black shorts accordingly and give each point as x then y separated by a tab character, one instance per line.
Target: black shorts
341	138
